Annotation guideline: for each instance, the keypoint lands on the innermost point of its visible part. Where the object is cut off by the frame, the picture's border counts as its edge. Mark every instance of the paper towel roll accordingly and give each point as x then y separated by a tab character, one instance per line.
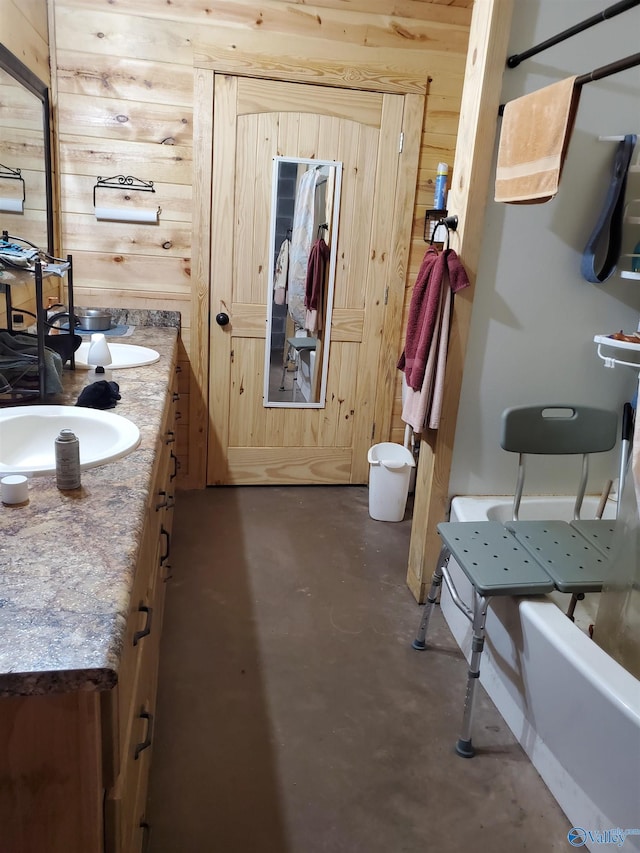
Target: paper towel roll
123	214
11	205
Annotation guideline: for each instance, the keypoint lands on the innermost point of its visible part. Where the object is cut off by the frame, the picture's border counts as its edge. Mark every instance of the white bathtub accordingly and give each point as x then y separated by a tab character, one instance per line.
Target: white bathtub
574	710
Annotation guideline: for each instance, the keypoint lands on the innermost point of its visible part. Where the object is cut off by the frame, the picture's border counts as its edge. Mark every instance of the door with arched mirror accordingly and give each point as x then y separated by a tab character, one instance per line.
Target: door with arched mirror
310	176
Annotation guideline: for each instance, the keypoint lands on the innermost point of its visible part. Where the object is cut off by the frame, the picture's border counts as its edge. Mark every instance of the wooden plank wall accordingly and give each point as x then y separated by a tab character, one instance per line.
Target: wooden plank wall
24	31
123	93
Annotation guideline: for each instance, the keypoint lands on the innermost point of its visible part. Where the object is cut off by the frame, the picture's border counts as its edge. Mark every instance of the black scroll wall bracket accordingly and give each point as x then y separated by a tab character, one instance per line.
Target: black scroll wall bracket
119	182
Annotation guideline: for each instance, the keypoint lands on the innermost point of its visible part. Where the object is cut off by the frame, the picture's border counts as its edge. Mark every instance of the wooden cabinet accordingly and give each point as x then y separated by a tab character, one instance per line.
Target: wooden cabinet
74	766
133	700
51	774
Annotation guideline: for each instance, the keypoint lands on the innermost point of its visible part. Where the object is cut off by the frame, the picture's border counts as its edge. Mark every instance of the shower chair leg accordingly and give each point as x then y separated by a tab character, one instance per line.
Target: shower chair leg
436	582
478	618
575	598
464	747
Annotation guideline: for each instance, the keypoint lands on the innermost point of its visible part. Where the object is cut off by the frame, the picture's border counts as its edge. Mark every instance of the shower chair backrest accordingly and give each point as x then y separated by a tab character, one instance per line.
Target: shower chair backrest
557	429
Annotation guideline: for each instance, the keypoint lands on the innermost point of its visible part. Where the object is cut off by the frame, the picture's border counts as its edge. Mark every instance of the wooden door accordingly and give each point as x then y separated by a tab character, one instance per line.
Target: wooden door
254	121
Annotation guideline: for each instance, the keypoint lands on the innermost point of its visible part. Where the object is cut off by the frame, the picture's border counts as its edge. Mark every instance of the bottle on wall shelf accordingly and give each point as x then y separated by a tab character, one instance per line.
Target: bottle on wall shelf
67	451
440	192
632	264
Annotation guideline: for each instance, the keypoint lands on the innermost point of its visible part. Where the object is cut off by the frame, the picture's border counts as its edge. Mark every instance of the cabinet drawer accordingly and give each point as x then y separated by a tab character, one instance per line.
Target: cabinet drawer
147	599
125	802
162	496
139	623
134	704
141	830
122	804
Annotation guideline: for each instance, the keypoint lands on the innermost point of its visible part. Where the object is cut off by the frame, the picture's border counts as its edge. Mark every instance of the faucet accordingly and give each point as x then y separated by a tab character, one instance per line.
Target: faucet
50	322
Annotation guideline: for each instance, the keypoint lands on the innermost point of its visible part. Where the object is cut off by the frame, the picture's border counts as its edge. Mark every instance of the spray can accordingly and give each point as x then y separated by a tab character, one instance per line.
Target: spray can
440	193
67	451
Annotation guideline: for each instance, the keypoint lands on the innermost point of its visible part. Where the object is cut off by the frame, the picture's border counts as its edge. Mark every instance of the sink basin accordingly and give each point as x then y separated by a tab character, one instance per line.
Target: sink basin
122	355
27	436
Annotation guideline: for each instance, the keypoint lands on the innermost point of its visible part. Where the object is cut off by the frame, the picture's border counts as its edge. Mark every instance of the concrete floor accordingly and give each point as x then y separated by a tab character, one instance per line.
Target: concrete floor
293	715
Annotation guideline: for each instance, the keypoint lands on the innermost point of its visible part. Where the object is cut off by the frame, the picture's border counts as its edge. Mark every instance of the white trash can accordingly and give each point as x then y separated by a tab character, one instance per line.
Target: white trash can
389	474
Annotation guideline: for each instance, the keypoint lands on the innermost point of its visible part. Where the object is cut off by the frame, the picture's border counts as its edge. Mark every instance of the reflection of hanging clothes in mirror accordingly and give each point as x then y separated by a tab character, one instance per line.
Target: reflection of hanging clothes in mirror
301	239
281	274
314	290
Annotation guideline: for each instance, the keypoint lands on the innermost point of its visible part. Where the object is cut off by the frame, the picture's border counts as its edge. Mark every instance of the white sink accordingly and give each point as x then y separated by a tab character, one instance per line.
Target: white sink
122	355
27	435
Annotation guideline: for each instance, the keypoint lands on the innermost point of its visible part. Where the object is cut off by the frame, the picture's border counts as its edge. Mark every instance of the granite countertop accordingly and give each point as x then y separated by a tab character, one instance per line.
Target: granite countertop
67	559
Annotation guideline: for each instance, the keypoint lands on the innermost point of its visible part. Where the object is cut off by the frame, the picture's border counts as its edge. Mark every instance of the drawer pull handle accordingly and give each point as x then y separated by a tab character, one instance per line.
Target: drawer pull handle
164	557
140	747
171	437
176	465
147	628
167	501
175	396
146	835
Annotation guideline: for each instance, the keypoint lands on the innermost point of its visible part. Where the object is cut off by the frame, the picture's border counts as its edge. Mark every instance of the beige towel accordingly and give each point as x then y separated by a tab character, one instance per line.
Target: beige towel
534	138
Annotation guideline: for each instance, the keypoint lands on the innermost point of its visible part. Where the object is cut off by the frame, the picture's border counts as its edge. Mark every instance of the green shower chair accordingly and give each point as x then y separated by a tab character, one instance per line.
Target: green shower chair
523	558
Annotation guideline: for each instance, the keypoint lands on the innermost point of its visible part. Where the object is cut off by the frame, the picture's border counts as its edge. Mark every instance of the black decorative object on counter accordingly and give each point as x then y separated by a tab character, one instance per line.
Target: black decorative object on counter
99	395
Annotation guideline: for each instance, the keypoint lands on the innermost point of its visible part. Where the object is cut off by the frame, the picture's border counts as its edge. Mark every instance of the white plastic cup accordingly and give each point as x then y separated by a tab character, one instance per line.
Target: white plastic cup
390	468
14	490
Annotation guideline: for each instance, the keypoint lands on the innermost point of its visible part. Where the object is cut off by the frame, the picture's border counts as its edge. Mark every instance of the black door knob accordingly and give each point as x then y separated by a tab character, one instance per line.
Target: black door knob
222	319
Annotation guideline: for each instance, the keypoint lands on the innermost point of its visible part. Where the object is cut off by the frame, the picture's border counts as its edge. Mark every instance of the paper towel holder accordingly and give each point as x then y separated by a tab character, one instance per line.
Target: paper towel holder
125	214
12	204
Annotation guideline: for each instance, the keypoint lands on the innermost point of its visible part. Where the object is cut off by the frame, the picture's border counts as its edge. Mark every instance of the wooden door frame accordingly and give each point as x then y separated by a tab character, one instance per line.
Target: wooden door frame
357	75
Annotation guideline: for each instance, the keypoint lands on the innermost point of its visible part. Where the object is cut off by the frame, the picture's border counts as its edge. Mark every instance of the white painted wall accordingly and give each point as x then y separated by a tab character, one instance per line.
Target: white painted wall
534	317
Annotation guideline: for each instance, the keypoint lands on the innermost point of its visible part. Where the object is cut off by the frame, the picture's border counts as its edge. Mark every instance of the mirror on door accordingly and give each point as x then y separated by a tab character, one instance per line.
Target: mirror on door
305	203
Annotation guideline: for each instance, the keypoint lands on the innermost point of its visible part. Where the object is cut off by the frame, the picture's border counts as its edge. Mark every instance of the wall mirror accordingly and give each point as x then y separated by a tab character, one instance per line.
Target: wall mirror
25	154
305	206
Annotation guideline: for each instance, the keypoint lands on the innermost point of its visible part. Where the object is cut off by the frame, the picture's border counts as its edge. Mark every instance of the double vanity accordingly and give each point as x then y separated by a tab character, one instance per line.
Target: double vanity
82	584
